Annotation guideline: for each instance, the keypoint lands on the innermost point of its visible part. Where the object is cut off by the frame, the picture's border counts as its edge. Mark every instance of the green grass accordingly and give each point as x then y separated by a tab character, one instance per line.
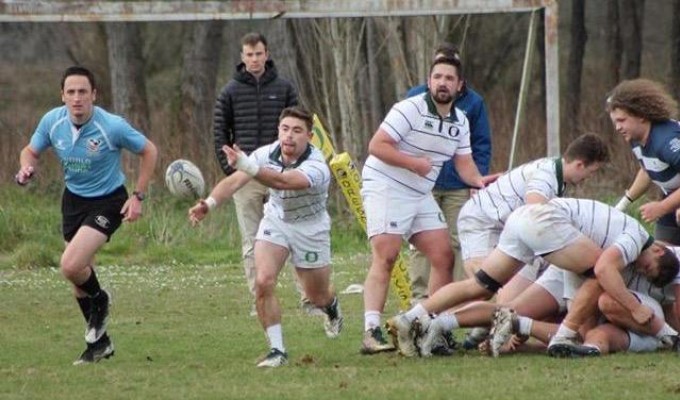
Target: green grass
183	332
181	328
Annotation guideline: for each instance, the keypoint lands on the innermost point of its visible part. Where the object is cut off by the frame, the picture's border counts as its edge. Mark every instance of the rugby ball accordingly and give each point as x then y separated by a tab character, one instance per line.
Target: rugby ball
184	179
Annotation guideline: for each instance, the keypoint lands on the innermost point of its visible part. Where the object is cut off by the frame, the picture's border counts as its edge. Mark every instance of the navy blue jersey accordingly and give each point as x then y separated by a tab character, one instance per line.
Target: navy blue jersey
660	156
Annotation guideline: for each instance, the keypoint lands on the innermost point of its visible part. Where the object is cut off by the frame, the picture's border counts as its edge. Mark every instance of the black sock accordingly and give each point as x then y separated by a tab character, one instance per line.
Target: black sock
332	309
91	285
85	304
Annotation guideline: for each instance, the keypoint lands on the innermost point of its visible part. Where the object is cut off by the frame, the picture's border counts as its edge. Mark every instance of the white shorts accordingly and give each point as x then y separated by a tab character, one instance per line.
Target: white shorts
478	234
552	280
309	242
645	343
535	230
395	212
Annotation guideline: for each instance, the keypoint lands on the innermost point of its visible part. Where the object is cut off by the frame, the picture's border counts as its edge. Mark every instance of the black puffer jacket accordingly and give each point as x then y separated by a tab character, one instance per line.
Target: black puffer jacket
247	111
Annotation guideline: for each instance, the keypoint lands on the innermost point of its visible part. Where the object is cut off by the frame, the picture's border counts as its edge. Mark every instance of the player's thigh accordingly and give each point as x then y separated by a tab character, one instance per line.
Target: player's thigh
80	251
536	302
434	244
499	267
270	257
315	280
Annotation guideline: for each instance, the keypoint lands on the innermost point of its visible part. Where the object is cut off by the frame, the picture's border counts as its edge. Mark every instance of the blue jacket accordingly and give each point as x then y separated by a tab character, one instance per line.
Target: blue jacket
472	104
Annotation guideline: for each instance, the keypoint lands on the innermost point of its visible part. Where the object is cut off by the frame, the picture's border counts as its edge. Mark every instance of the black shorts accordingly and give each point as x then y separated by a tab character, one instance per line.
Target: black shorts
101	213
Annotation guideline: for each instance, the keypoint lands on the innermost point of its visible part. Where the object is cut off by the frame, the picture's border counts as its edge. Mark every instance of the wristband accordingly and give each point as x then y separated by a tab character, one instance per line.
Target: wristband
210	202
624	202
247	165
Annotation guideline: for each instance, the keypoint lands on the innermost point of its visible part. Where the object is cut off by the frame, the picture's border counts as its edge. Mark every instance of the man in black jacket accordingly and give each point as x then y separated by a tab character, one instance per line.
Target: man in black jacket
247	114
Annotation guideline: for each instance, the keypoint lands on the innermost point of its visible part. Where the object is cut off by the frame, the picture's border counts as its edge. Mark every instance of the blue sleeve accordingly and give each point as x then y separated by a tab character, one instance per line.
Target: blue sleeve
480	137
416	90
128	137
40	140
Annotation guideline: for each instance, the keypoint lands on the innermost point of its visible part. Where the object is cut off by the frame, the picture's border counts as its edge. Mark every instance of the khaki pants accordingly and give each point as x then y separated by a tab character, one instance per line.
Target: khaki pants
249	202
450	201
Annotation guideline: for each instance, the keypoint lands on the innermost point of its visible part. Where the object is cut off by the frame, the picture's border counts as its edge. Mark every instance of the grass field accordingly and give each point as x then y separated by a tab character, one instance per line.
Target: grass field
181	327
183	331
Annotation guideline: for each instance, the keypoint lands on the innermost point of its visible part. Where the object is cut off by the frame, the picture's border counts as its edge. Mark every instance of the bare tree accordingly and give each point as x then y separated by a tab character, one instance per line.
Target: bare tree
675	50
632	15
579	37
200	63
614	44
126	63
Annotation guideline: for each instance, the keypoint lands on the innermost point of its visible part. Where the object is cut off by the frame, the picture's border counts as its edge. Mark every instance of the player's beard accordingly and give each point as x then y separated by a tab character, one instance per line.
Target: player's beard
442	97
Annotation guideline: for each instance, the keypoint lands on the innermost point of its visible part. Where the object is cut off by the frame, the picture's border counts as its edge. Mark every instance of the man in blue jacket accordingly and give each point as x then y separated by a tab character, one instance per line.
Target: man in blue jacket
449	190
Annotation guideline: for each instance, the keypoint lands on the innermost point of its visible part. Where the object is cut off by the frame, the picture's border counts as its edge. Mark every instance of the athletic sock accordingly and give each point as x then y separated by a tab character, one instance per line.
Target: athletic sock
448	321
332	309
371	320
275	336
415	312
666	330
525	324
85	304
91	285
564	332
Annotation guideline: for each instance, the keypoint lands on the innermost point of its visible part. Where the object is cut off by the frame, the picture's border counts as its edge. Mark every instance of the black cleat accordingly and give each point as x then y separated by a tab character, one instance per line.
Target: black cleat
96	352
96	324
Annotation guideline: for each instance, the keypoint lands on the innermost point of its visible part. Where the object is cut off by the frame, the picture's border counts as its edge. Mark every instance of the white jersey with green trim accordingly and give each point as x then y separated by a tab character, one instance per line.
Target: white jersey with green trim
499	199
419	131
605	225
294	205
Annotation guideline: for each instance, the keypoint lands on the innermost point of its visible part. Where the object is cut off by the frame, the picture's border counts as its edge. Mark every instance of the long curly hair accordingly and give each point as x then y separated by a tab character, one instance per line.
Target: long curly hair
643	98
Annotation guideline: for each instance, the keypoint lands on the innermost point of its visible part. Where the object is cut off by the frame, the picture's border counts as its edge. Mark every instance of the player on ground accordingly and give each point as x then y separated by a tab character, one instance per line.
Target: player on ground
405	156
572	234
482	218
89	142
641	111
295	223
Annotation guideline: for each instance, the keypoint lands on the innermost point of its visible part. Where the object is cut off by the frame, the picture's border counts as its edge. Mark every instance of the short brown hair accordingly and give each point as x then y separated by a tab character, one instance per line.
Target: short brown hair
448	61
447	49
643	98
668	268
252	39
299	113
589	148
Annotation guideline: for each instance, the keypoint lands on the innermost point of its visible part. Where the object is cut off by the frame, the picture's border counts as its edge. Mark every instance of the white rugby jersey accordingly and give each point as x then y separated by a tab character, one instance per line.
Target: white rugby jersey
635	281
605	226
295	205
419	131
543	176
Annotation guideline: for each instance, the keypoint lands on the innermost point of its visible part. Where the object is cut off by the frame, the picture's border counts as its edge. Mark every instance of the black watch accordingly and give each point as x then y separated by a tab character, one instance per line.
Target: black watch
139	195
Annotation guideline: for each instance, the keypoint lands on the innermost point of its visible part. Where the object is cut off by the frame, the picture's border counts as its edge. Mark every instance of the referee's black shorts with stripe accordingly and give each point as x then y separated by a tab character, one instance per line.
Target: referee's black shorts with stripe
101	213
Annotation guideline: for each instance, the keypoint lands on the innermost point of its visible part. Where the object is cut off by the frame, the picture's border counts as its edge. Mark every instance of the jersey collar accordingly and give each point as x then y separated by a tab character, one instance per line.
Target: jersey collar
432	108
276	158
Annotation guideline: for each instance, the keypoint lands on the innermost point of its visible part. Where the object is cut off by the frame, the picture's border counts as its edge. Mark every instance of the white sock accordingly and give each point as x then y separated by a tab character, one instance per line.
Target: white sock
666	330
525	324
275	335
371	319
415	312
448	322
564	332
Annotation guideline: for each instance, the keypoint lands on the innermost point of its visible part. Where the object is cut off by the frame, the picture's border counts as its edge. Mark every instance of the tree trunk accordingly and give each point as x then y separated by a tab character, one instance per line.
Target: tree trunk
614	44
200	63
632	16
375	103
675	51
126	63
575	66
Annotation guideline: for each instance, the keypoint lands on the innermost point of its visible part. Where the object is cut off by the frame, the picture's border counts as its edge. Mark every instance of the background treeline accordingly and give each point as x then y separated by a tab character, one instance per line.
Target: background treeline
164	76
